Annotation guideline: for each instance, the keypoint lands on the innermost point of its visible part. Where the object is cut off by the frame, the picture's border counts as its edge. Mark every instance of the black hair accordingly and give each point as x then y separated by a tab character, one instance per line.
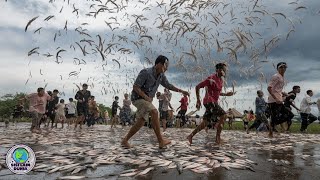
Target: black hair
40	89
161	59
50	93
220	65
259	91
61	100
116	97
295	87
281	63
84	85
71	99
56	90
251	112
309	91
245	111
92	97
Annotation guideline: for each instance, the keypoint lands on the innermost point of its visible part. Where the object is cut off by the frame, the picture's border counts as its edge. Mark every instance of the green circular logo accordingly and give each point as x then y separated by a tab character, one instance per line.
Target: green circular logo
20	155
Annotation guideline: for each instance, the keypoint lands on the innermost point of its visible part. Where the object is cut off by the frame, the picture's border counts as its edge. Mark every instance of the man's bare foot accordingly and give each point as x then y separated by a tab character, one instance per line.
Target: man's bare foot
164	143
126	144
190	139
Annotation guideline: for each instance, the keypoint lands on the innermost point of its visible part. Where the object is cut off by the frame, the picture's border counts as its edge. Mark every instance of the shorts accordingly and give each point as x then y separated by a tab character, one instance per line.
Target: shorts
245	123
143	108
68	116
113	113
213	111
164	115
82	110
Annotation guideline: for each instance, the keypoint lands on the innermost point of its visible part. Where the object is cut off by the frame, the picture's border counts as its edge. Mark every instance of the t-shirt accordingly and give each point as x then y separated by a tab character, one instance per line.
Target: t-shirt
52	104
214	86
126	103
184	103
84	96
166	101
289	99
115	107
71	108
37	103
60	109
276	83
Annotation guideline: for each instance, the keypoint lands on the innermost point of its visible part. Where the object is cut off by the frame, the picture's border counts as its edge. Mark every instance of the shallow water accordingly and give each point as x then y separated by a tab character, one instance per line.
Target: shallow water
255	146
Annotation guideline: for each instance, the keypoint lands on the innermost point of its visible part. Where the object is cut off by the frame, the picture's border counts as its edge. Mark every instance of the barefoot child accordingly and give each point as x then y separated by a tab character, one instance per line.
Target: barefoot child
60	113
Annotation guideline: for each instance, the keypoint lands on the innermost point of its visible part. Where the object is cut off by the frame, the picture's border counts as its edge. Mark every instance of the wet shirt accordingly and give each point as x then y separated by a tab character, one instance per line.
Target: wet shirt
37	103
84	96
276	83
184	103
148	82
261	105
214	87
289	99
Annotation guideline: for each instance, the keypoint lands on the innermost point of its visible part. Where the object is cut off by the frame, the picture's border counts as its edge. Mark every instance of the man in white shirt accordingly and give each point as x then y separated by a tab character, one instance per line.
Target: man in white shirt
305	107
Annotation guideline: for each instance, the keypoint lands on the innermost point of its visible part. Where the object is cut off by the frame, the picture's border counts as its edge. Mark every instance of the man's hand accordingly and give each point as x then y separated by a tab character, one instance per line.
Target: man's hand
198	105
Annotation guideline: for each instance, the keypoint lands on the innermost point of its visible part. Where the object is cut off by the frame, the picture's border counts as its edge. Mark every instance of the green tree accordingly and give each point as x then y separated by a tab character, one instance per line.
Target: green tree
104	108
8	102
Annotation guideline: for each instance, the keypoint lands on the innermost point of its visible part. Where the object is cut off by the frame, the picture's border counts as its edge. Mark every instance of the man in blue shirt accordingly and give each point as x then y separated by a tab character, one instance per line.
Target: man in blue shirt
144	90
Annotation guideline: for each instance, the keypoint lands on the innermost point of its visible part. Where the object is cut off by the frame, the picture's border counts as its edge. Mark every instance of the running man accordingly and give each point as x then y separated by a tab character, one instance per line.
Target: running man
164	113
275	99
183	108
144	90
51	108
288	102
214	113
114	110
82	98
306	116
37	107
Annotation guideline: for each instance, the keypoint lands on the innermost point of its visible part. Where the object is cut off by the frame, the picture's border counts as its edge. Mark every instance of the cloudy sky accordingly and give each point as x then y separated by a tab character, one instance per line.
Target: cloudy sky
130	21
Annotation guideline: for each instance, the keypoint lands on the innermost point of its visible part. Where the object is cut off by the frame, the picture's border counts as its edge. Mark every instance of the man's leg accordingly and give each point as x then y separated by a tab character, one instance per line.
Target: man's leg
34	116
289	122
133	130
311	118
304	121
202	125
156	127
219	127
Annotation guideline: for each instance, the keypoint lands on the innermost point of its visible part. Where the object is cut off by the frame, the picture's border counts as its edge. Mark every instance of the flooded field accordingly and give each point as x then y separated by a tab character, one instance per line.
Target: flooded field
95	153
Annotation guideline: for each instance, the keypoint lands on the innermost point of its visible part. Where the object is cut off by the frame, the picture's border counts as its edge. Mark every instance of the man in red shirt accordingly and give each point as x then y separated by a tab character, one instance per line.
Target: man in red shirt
214	113
183	108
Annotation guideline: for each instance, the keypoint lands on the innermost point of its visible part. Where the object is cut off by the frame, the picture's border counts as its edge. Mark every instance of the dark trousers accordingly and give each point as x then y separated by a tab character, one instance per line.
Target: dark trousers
306	120
279	114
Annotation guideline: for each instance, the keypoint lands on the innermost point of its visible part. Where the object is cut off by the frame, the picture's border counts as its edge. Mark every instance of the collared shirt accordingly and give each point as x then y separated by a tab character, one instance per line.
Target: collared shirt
214	86
261	105
305	105
148	82
276	83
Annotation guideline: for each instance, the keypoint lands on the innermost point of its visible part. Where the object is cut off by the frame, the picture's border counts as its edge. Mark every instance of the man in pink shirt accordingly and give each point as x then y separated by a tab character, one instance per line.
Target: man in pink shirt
214	113
37	107
276	97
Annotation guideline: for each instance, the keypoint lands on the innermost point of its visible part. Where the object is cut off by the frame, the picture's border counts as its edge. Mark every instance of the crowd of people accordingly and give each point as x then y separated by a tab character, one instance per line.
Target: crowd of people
277	110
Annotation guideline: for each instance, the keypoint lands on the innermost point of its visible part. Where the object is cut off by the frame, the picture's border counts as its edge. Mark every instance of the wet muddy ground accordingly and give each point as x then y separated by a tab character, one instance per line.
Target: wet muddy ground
98	152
